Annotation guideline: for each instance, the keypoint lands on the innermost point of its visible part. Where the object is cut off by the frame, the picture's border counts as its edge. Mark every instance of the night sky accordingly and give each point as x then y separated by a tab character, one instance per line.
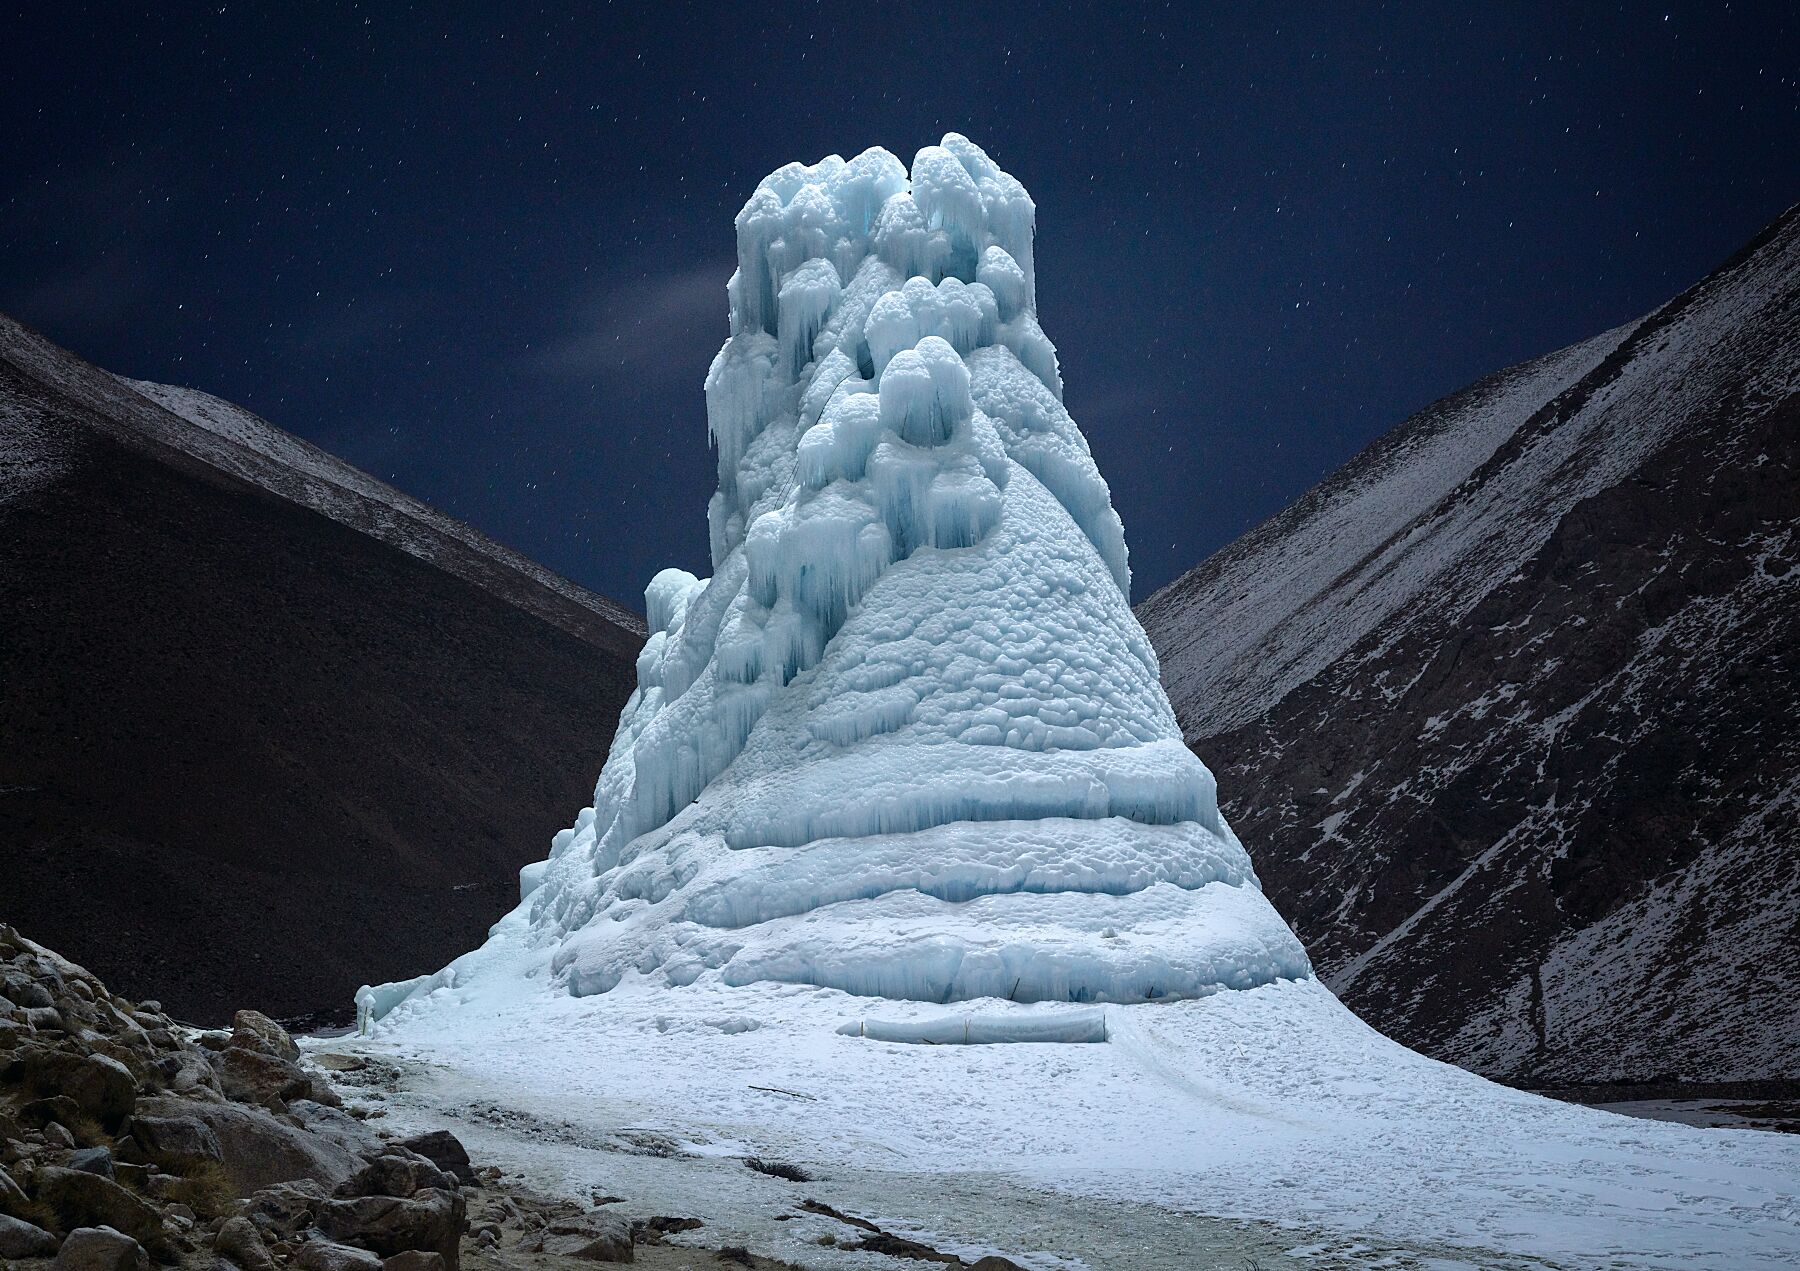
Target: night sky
482	253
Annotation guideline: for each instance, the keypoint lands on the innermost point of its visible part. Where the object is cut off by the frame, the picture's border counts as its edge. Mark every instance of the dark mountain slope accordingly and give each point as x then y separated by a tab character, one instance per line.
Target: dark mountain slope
1505	708
268	729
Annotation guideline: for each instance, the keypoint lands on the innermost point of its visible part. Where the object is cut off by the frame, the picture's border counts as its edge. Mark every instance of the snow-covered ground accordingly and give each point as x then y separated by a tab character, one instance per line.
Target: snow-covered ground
1272	1107
30	454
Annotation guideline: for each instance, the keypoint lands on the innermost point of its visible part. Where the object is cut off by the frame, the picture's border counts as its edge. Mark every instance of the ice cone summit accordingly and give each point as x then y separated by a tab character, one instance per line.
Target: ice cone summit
908	741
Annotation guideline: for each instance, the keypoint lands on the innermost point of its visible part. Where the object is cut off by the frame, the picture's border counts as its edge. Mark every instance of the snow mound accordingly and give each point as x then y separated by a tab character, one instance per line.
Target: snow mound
909	741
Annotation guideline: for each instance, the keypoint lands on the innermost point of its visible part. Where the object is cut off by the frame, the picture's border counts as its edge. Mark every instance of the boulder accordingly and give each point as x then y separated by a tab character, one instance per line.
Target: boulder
56	1134
259	1032
596	1237
164	1187
443	1150
24	991
179	1144
12	1197
93	1160
87	1200
187	1074
324	1255
285	1208
396	1172
99	1085
257	1150
414	1260
254	1076
430	1220
100	1249
21	1239
45	1019
240	1241
41	1112
337	1125
611	1247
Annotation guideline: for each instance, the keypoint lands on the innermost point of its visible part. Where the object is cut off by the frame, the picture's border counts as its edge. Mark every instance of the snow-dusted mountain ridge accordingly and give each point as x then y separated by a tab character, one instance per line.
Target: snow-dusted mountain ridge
325	483
251	697
232	440
1501	704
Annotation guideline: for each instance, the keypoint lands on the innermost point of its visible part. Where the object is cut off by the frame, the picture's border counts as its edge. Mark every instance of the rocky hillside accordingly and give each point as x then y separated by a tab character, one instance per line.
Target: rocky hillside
1504	708
268	727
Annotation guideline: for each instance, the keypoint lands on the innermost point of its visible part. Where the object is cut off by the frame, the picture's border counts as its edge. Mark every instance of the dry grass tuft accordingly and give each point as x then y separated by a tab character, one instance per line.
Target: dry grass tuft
205	1190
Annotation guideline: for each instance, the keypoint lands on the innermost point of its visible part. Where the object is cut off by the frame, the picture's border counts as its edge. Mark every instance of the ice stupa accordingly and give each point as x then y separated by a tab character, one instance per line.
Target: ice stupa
901	771
909	740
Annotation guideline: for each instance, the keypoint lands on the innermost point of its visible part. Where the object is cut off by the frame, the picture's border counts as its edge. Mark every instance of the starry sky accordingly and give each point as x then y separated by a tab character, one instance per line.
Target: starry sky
481	251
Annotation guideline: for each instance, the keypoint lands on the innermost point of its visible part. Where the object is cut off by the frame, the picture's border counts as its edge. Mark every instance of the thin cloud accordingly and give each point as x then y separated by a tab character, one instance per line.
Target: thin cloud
643	323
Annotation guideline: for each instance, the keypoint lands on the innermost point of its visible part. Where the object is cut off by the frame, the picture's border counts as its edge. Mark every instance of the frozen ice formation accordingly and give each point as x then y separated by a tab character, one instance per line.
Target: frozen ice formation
908	741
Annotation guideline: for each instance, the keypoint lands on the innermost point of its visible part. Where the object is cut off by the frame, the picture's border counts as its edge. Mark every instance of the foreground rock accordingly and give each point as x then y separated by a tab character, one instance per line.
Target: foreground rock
100	1249
255	1148
596	1237
128	1140
79	1199
20	1239
441	1149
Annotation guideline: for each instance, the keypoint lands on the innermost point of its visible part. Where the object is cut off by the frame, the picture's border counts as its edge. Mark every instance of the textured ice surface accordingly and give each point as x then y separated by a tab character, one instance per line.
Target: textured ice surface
909	740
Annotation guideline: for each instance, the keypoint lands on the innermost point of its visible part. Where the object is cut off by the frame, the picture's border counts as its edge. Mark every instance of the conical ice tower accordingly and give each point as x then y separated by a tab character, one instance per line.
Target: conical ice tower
908	741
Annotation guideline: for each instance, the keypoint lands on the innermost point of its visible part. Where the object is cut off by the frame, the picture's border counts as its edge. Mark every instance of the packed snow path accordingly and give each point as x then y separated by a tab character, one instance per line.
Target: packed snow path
902	772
